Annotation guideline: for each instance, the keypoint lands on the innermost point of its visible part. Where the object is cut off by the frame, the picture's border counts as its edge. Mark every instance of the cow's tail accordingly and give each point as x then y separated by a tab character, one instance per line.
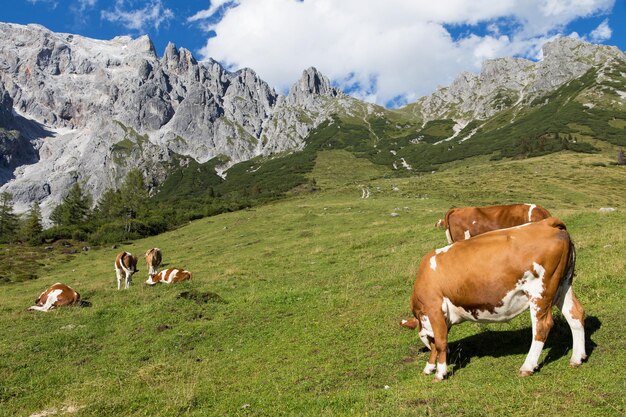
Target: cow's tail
568	276
571	263
446	225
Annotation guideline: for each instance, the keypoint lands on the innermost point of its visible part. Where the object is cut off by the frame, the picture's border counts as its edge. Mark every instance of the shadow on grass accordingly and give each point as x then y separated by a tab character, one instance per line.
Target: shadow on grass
85	303
505	343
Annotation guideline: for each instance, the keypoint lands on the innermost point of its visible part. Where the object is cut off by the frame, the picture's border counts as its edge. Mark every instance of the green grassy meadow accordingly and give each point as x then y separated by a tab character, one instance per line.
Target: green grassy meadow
294	307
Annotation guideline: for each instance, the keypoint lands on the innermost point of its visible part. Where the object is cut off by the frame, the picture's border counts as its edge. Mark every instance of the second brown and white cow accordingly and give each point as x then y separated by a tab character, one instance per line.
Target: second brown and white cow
464	222
153	260
493	278
125	267
56	295
169	276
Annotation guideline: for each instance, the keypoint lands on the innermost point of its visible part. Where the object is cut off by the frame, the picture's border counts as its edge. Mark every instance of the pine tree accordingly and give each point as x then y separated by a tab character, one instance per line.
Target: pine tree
32	228
8	219
74	209
109	206
134	194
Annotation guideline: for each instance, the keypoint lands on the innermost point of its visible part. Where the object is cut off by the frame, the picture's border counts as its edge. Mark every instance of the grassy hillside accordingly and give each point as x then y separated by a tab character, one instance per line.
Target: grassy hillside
294	306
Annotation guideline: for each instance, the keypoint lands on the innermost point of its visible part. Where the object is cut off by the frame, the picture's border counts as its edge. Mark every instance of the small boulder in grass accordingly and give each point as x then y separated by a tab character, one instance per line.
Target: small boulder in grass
394	214
606	210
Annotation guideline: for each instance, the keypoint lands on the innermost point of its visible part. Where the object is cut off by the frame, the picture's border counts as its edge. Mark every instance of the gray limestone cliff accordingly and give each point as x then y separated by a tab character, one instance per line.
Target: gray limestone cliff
506	82
93	109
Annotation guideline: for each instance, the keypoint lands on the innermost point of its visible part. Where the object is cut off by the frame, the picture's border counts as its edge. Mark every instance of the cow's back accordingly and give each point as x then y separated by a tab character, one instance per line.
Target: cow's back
478	273
466	222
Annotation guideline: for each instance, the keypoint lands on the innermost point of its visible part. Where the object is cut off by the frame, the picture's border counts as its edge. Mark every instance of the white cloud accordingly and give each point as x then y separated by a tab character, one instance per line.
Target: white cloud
53	3
83	5
153	14
382	49
214	7
602	33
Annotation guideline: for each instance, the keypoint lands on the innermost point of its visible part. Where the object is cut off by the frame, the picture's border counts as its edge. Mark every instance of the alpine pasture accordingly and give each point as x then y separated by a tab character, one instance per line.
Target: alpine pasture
294	306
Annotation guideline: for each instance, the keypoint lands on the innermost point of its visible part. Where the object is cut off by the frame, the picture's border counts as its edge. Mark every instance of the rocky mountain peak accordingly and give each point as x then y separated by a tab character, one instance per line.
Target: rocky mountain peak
181	59
311	83
314	82
567	49
505	82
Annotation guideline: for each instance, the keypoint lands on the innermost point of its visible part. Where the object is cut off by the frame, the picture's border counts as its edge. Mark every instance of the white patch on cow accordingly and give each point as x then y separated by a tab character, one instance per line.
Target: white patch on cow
532	359
426	331
442	371
467	235
474	222
444	249
53	296
171	276
404	321
534	285
429	368
448	236
452	313
530	211
433	263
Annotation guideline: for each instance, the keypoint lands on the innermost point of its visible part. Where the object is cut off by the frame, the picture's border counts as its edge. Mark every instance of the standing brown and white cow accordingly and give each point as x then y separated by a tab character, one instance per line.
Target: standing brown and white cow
56	295
153	260
493	278
464	222
169	276
125	266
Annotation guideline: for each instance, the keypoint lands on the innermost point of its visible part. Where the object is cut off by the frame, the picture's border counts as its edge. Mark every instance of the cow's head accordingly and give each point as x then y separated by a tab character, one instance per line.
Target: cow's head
152	279
135	263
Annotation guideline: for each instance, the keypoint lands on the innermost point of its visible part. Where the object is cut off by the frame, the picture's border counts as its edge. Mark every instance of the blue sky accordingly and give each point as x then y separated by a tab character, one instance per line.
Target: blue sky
385	51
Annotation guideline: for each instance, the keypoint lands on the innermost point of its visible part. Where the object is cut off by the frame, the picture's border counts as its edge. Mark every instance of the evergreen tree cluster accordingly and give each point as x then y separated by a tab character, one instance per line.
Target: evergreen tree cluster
12	228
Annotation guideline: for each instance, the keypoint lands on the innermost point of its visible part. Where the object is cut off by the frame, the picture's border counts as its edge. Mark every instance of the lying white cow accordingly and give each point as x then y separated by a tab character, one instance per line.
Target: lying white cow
169	276
55	296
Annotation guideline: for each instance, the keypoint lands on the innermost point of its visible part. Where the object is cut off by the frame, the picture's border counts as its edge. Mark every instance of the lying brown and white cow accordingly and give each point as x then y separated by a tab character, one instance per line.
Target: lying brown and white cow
125	266
56	295
169	276
153	260
464	222
493	278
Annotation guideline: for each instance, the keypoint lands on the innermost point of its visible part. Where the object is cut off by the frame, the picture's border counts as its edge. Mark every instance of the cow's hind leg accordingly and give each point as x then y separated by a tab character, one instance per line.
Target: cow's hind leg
575	315
542	322
440	330
128	279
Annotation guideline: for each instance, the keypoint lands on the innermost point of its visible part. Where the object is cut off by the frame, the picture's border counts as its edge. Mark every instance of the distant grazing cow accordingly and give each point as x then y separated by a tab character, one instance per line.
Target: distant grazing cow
153	260
465	222
56	295
493	278
125	266
169	276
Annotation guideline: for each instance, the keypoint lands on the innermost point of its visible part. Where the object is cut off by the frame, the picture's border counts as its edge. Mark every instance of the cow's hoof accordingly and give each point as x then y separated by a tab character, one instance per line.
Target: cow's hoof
438	378
525	373
575	364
